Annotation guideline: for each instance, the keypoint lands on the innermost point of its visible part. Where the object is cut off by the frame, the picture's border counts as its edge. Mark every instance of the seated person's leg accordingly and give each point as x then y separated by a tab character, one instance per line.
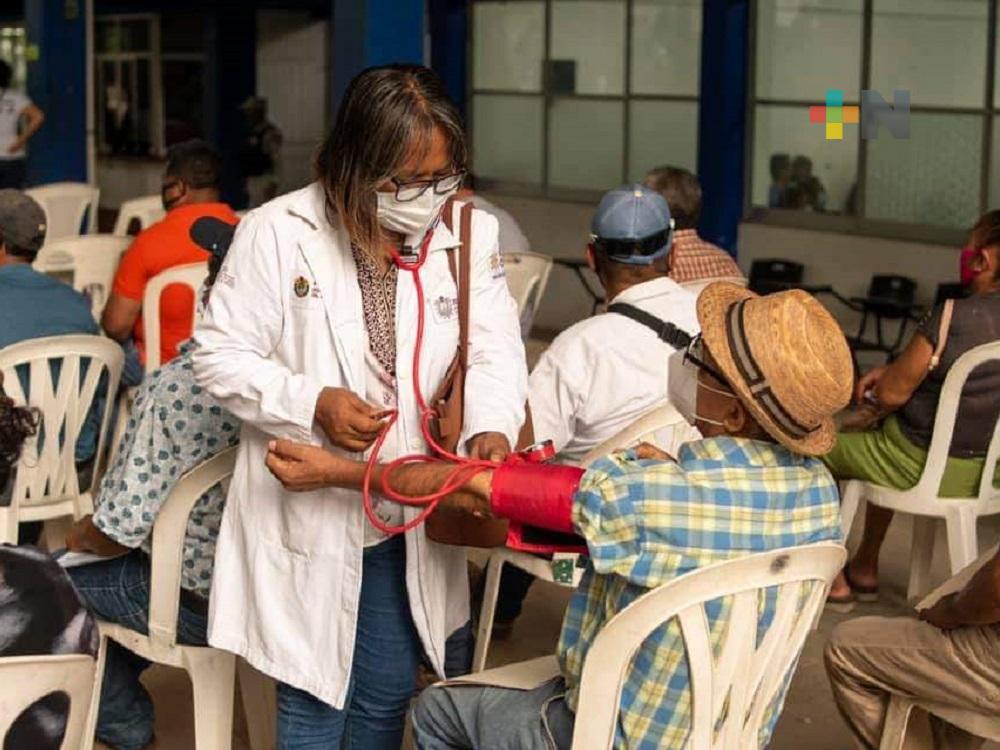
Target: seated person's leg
871	658
117	590
514	586
469	717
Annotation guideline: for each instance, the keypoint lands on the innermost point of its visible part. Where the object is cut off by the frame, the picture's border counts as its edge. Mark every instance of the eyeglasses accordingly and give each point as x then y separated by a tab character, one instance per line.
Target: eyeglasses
695	354
410	191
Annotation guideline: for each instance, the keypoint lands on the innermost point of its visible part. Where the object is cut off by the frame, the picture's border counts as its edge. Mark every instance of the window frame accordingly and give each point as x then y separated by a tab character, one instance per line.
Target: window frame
155	84
861	225
545	189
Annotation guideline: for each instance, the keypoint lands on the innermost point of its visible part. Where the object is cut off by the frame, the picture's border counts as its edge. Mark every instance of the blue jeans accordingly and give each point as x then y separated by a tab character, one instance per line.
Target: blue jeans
471	717
118	591
387	651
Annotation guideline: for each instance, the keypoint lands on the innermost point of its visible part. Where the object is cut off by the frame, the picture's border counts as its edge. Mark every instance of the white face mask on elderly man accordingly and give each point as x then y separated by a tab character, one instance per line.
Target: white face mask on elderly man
682	389
410	218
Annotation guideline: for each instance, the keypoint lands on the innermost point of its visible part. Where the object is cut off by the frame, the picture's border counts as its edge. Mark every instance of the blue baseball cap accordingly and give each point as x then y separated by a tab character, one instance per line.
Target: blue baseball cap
633	225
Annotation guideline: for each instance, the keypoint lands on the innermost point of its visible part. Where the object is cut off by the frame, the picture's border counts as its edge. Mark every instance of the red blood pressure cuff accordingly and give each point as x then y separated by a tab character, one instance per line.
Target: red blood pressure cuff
539	495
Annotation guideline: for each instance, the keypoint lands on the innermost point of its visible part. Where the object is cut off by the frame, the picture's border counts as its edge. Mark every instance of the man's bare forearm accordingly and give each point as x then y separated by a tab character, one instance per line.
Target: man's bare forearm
979	602
416	480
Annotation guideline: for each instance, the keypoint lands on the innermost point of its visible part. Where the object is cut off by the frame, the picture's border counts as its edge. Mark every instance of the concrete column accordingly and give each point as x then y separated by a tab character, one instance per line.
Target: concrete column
722	118
57	84
373	32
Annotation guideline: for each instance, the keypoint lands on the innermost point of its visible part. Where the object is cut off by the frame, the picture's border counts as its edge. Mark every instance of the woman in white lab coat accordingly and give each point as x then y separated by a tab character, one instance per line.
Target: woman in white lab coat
310	335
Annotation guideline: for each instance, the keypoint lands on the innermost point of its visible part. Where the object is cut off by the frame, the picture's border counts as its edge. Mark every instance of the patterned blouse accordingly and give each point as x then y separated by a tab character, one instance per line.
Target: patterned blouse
174	425
378	298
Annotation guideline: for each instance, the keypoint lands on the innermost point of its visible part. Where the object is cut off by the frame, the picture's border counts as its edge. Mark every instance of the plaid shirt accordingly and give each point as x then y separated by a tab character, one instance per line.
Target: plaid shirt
648	522
693	259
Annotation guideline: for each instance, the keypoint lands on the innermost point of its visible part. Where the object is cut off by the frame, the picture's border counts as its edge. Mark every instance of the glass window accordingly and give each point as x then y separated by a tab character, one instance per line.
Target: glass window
931	178
566	96
666	46
795	167
934	49
585	144
509	45
804	47
507	138
589	37
662	133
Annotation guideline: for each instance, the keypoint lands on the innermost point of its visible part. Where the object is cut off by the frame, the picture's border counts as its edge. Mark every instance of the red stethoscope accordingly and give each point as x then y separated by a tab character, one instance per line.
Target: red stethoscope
465	468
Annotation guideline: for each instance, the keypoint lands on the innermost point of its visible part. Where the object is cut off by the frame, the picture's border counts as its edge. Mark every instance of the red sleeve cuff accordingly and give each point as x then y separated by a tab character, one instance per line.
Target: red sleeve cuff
536	494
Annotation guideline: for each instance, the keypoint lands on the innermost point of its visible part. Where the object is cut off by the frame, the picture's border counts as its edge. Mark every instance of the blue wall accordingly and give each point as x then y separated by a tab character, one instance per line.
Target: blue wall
57	84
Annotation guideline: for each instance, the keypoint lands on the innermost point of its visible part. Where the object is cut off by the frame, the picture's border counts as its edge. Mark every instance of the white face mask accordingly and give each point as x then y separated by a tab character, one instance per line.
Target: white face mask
410	218
682	389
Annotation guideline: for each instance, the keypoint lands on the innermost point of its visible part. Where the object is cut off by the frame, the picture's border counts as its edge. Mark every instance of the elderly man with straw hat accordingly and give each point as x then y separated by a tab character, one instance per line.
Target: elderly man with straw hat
762	383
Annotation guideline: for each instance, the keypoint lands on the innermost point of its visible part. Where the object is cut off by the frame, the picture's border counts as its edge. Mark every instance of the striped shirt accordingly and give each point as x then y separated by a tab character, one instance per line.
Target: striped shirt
648	522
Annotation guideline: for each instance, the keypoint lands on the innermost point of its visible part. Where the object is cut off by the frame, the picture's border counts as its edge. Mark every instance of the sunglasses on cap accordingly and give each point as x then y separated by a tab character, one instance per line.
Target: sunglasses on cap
623	248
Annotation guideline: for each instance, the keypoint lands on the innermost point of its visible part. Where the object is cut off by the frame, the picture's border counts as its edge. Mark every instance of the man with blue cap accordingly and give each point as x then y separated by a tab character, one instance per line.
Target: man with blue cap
605	372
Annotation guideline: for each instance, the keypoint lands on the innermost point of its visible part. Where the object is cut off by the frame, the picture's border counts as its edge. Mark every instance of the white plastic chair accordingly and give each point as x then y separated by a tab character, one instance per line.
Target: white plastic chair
645	429
65	205
191	275
46	485
212	671
898	716
147	211
923	501
527	278
26	679
91	260
649	428
730	694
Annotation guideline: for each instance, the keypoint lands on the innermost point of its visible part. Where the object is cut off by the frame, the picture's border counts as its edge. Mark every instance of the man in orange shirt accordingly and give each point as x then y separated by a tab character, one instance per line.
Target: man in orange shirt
190	191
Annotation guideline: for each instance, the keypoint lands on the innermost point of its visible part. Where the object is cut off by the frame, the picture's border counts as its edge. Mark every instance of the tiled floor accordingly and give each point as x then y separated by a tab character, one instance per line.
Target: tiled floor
809	720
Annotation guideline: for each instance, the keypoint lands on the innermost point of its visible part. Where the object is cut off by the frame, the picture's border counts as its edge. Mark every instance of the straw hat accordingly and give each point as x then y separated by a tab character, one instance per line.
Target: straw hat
784	356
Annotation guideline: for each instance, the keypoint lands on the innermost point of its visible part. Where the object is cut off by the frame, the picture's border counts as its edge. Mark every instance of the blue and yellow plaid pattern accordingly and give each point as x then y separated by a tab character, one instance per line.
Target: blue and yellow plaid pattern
648	522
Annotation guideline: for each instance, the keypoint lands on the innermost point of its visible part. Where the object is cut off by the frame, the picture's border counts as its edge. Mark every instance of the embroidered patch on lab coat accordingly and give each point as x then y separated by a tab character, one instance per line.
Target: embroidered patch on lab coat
496	265
444	308
301	287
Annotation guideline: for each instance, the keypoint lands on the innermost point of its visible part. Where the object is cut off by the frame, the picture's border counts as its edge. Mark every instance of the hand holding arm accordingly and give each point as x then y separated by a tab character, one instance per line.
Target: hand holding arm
84	536
977	604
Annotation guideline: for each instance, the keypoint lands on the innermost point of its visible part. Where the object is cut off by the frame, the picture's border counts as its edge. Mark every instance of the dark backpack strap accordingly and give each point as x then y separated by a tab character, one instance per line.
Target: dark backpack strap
667	332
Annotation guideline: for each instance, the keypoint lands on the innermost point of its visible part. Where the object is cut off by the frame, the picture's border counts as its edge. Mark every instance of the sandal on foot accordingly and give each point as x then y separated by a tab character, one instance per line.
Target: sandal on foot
866	594
843	603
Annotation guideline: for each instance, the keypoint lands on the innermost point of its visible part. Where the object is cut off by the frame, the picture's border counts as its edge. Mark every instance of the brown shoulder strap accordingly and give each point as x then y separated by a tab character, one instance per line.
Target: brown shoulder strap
464	282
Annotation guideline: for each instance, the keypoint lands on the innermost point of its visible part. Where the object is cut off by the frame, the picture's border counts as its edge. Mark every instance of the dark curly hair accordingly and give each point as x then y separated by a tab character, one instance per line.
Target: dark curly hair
16	425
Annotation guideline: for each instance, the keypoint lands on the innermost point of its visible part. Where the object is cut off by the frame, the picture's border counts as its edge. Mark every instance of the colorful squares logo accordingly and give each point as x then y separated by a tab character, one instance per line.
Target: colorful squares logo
834	114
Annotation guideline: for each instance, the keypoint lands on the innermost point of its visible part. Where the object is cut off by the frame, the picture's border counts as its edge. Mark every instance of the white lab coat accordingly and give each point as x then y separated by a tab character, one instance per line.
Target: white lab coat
284	320
605	372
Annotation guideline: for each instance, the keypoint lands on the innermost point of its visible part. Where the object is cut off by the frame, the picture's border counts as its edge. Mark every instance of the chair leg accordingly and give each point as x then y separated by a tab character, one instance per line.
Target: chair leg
90	728
894	727
963	545
850	499
212	674
487	612
260	706
921	556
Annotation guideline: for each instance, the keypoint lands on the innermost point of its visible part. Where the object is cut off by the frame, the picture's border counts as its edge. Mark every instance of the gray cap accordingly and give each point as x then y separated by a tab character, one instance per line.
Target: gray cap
633	225
22	221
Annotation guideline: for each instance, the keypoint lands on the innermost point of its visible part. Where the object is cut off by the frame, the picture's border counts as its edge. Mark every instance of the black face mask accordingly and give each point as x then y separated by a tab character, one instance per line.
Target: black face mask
169	203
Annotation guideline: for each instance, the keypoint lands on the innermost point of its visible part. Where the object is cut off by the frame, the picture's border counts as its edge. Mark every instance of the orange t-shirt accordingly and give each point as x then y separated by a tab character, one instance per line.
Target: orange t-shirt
164	245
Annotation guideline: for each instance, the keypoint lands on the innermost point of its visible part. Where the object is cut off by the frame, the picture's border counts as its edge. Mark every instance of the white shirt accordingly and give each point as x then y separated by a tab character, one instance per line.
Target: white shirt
12	106
284	320
605	372
512	239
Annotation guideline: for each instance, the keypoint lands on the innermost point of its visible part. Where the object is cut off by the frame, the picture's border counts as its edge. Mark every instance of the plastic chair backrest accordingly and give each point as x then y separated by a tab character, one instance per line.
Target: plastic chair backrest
147	211
168	543
944	426
65	205
527	278
91	259
26	679
191	275
644	429
46	473
773	275
730	693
